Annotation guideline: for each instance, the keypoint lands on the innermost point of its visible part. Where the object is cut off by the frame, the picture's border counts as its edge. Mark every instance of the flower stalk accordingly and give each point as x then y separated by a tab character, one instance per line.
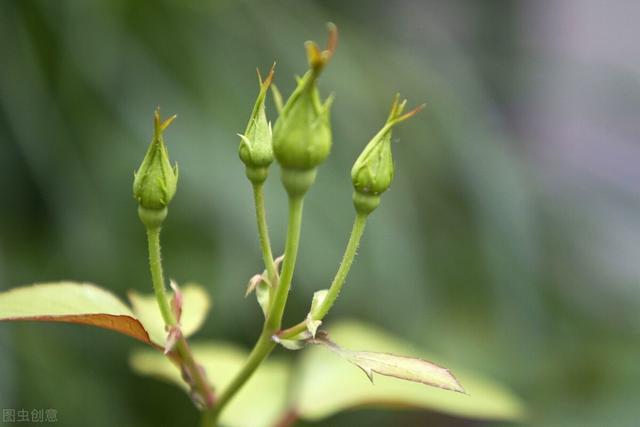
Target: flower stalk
263	234
371	175
154	186
301	142
338	281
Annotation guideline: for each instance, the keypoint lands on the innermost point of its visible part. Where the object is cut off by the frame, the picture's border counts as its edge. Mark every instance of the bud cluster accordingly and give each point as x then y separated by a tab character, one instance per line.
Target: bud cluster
300	141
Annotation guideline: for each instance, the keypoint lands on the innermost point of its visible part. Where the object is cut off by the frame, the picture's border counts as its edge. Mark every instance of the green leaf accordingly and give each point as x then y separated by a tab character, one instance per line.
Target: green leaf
318	299
297	342
260	284
195	306
69	302
325	385
258	404
312	323
401	367
263	291
88	304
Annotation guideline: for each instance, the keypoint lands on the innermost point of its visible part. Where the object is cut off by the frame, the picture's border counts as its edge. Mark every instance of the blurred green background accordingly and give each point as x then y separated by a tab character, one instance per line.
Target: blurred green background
509	242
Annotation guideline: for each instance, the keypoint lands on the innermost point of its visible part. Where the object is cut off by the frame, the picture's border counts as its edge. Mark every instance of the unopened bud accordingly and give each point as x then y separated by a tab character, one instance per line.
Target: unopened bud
372	172
302	134
256	150
155	182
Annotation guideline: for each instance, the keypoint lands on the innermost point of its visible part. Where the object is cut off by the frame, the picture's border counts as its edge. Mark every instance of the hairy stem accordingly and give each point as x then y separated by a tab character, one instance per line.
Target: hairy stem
276	311
157	277
338	281
198	380
265	344
263	233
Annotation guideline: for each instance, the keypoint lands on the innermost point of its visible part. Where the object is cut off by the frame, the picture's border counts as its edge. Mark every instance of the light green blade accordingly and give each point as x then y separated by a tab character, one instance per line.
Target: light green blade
326	384
258	404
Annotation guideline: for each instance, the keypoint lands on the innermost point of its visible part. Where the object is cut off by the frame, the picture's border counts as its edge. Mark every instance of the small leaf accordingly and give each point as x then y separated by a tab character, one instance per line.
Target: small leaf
262	296
401	367
318	299
70	302
278	261
253	283
195	306
292	344
326	385
258	404
176	301
312	323
173	336
297	342
260	284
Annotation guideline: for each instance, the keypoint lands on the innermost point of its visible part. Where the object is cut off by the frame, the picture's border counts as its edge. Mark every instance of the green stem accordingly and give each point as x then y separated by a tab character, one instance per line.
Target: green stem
338	281
185	357
260	351
157	277
263	233
207	419
276	311
265	344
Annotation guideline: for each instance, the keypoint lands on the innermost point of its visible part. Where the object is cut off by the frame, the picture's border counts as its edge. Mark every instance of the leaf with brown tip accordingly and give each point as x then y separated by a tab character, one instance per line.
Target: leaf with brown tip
81	303
88	304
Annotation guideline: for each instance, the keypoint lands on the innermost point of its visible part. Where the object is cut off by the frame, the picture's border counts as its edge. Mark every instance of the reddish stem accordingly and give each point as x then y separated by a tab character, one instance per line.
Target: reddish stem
288	419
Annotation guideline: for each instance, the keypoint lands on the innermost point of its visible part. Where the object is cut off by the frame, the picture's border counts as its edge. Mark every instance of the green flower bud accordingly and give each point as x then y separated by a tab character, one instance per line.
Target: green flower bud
372	172
302	133
255	150
154	183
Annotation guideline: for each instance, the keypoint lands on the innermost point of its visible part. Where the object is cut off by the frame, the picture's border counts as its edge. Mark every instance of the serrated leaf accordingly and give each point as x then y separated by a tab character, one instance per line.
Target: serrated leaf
70	302
325	385
195	306
258	404
88	304
401	367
